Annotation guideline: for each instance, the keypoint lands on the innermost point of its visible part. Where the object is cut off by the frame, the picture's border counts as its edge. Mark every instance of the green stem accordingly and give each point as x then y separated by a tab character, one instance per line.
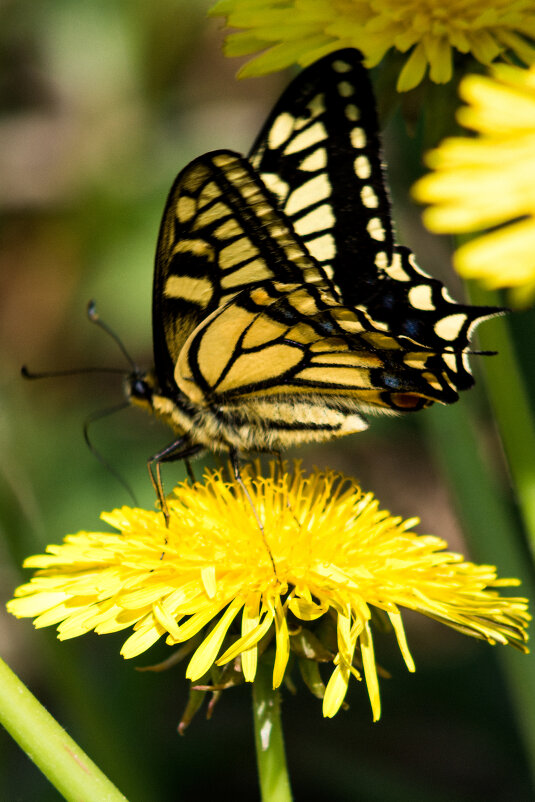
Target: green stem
60	759
512	409
269	742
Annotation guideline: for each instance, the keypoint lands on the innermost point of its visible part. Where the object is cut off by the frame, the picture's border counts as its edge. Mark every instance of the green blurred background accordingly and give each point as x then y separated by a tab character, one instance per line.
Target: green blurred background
103	103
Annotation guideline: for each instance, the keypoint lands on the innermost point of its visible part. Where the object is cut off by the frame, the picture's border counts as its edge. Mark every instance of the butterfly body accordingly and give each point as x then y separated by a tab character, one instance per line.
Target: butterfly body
283	310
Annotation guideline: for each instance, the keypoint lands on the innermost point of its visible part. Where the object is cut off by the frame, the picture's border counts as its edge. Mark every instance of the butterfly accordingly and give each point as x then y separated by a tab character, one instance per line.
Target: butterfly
283	310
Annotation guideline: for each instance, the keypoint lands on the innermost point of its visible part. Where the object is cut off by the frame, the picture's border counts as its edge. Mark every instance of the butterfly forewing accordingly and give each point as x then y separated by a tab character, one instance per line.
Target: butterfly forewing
220	233
319	153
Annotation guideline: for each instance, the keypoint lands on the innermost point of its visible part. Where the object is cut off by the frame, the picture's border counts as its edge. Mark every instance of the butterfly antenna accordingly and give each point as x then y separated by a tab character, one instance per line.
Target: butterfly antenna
95	416
94	317
52	374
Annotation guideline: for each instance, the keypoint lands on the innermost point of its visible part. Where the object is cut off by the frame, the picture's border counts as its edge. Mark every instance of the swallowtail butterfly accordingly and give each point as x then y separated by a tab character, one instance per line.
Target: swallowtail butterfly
283	309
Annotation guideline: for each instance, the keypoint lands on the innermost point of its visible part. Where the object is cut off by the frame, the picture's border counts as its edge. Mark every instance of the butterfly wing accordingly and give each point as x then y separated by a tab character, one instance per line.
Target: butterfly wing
319	153
220	233
419	309
281	303
292	364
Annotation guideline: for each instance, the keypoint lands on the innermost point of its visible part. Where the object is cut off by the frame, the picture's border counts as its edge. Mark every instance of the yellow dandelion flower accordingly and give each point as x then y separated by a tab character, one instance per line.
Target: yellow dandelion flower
430	31
328	553
488	180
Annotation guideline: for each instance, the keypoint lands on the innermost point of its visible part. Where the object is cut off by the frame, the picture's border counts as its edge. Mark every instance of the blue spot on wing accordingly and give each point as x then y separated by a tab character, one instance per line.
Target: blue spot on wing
391	381
388	300
412	328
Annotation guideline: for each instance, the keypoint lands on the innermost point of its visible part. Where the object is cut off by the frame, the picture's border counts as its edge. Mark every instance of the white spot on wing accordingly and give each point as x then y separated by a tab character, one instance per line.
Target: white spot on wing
345	89
420	297
318	220
322	248
352	112
309	193
330	274
341	66
358	137
276	185
449	327
381	260
363	168
375	229
396	271
316	161
280	130
450	360
311	136
368	197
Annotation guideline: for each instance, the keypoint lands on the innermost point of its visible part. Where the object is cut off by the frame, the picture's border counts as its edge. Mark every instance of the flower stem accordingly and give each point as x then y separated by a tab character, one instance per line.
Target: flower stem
269	742
60	759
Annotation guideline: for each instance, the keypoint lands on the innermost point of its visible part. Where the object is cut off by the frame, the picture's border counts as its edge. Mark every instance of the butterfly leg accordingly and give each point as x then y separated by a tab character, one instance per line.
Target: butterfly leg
179	449
190	471
235	462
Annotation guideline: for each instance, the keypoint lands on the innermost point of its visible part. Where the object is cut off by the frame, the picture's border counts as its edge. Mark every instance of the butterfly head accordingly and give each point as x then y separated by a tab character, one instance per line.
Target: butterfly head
141	389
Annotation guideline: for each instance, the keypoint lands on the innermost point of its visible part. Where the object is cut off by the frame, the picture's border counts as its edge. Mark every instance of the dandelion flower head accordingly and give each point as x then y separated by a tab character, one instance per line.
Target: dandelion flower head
430	31
327	553
487	181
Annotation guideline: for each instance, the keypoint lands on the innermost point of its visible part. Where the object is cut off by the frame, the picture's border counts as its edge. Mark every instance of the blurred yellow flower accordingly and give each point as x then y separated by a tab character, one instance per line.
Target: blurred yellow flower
489	180
303	31
327	554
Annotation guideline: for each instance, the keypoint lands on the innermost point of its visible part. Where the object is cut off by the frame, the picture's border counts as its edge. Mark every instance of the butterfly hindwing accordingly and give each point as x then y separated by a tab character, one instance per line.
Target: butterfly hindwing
291	342
419	309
